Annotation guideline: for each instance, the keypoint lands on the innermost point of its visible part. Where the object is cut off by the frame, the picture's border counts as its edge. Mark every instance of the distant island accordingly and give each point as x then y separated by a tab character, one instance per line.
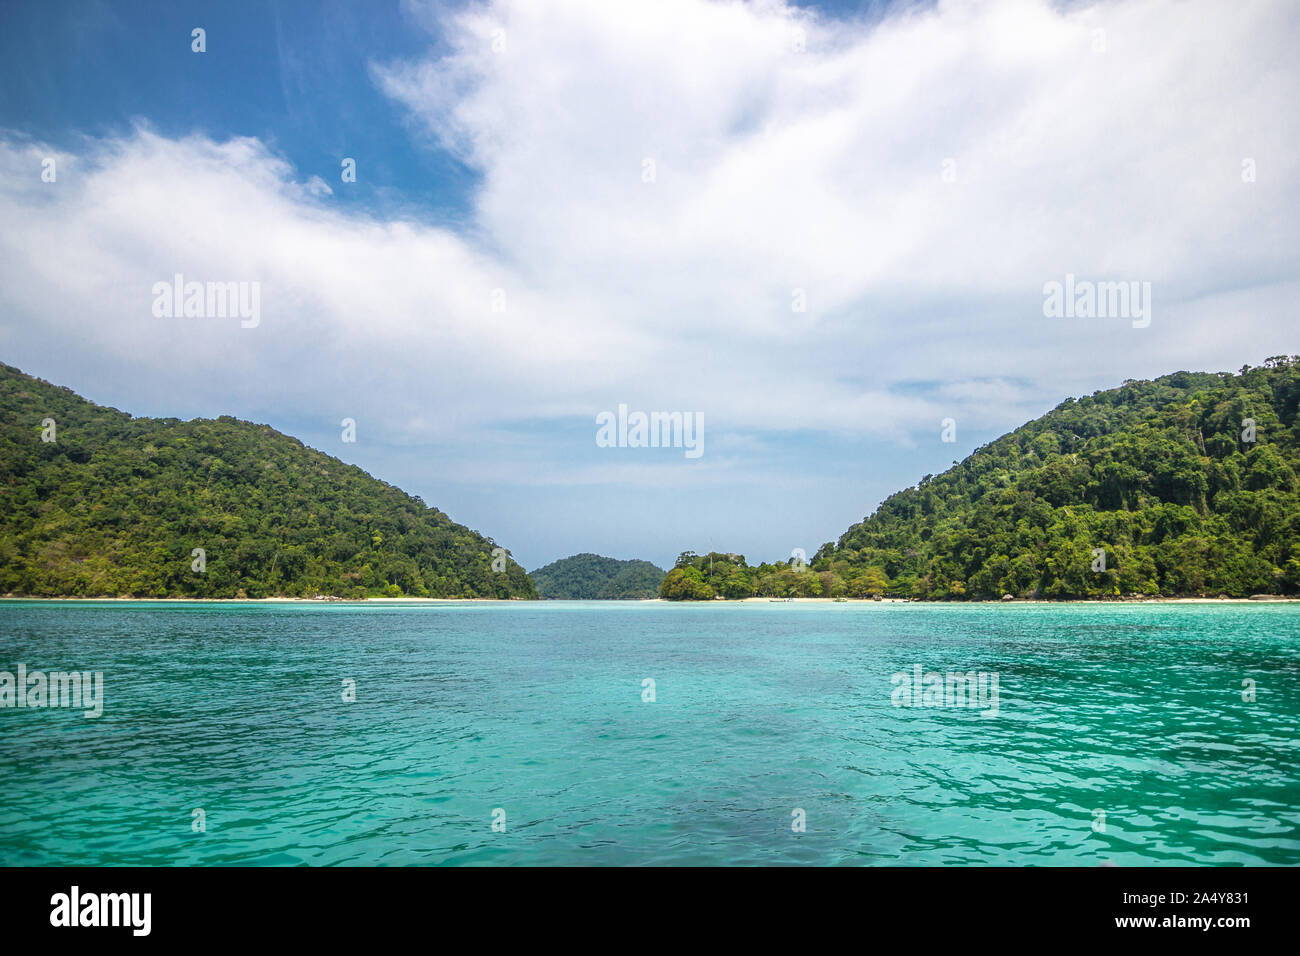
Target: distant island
1185	486
96	503
592	577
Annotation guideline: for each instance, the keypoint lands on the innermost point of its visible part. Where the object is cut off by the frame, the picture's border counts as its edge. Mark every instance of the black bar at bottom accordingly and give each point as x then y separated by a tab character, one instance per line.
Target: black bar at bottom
335	905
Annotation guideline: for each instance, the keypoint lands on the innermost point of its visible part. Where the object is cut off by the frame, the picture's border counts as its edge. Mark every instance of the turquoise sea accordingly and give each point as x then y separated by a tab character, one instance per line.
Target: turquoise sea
761	711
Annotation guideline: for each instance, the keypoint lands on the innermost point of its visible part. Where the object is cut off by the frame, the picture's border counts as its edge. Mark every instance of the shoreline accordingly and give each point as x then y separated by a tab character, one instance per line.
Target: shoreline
1270	599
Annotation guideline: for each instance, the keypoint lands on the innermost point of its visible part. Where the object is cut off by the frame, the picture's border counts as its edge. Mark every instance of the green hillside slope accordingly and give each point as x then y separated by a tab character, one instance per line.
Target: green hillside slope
1159	479
116	506
586	577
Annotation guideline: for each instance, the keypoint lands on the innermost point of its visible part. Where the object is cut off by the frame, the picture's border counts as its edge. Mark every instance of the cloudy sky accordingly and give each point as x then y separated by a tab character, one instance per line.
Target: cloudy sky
824	228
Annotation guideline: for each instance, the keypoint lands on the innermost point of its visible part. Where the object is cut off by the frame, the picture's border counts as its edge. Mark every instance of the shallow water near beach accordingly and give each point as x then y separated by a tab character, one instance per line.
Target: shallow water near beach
760	711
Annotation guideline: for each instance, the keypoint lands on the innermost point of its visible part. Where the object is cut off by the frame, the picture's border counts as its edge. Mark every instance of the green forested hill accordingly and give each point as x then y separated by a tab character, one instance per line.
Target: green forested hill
1154	473
116	505
585	577
703	577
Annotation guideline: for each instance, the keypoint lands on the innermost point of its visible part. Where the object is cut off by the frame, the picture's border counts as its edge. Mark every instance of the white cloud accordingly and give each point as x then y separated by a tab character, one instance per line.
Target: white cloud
318	187
775	171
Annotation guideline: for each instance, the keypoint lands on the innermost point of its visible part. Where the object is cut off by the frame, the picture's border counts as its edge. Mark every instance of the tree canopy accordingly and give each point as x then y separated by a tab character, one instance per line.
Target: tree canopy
585	577
118	506
1187	485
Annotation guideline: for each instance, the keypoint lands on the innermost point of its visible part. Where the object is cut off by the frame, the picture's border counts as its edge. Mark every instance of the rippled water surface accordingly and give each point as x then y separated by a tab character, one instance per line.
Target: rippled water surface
761	710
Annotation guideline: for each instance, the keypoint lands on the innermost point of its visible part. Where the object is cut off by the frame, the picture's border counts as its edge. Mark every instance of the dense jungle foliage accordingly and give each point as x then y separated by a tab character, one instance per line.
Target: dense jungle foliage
117	506
587	577
1188	485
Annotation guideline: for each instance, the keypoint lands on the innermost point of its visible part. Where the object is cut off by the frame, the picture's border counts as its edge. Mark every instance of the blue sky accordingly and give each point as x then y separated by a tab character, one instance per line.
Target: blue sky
557	212
291	74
